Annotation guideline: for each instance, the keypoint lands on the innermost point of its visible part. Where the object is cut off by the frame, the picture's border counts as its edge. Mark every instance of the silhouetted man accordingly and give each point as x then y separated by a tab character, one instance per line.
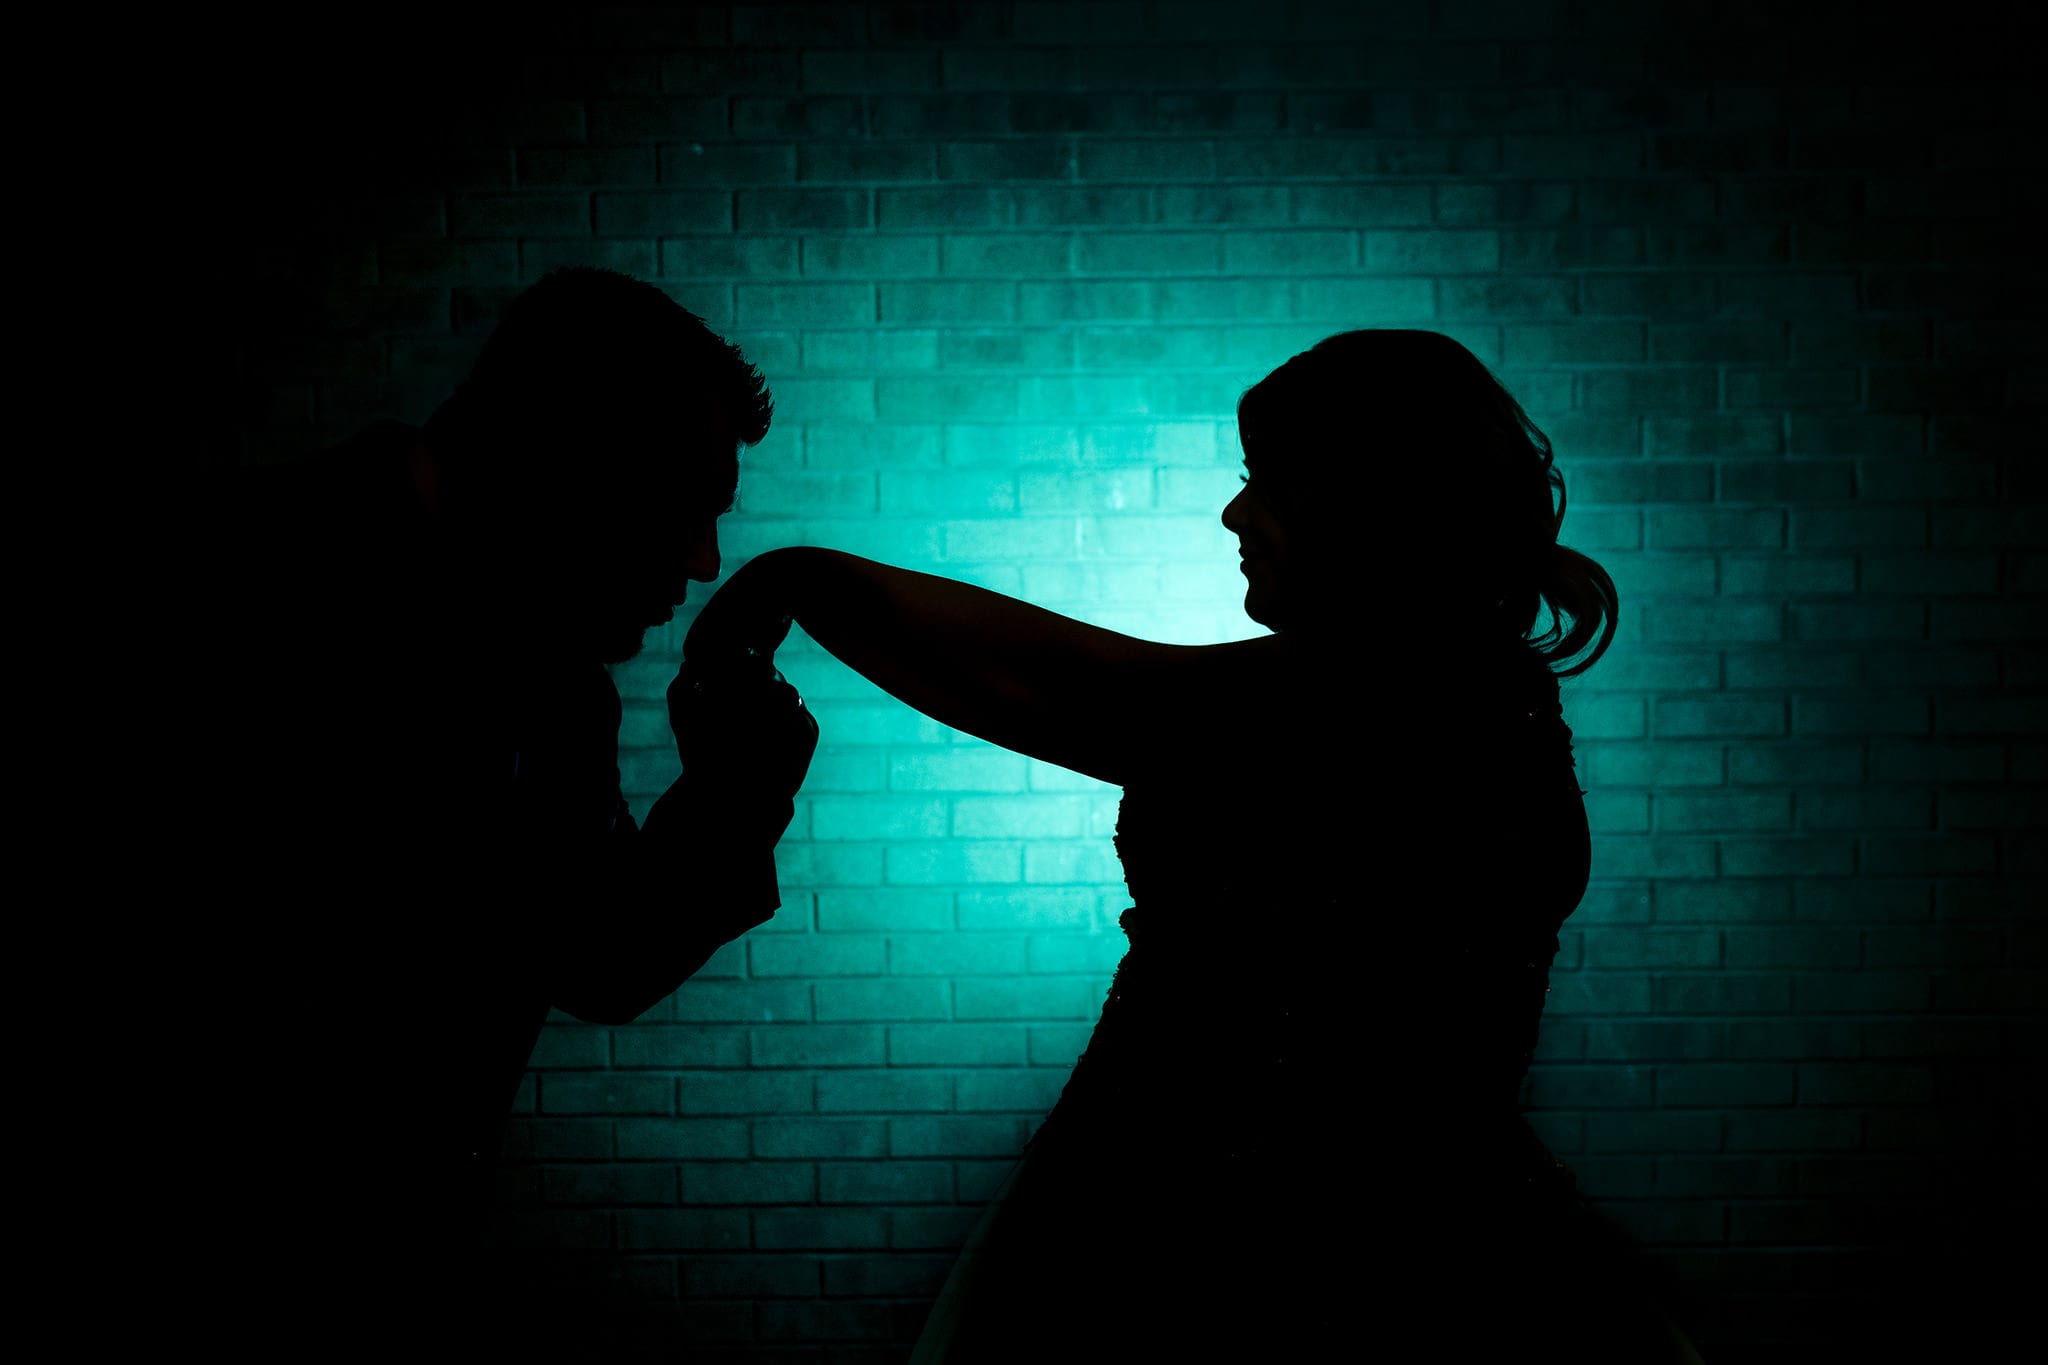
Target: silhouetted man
400	800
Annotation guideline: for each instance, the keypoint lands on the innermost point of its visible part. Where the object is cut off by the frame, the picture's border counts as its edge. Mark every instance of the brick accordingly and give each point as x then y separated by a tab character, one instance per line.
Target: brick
1652	857
1002	68
1661	764
1029	1090
1245	205
1886	480
1683	528
1435	251
520	215
1011	159
663	213
893	1182
816	210
1033	349
1694	812
1790	481
1795	857
657	118
1346	299
732	70
1621	812
734	1277
1035	998
1362	206
924	493
742	1093
944	209
447	262
728	256
870	70
608	1185
881	1001
815	1045
1592	1086
959	1136
1866	436
883	1092
1150	161
682	1230
1707	1083
1803	667
1658	390
1010	255
551	1138
1866	810
1722	902
813	1137
1862	992
1572	154
865	351
709	1002
1475	203
956	1045
1933	856
1730	622
558	167
815	116
1865	1083
1041	111
1716	1177
1570	343
957	301
1081	205
1898	714
1928	761
824	1229
1862	622
645	1045
1625	669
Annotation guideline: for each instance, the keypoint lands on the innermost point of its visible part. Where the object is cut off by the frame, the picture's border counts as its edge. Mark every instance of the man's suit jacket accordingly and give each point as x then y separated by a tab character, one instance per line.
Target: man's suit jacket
407	841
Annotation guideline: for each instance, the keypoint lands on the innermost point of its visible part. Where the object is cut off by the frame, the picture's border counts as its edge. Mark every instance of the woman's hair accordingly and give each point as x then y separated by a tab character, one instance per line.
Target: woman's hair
1373	435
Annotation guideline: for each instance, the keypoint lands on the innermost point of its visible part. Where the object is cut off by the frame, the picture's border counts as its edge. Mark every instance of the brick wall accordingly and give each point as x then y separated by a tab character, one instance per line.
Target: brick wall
1765	279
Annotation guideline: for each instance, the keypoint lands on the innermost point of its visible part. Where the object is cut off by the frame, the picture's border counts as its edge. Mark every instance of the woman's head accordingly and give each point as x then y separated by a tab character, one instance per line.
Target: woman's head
1390	467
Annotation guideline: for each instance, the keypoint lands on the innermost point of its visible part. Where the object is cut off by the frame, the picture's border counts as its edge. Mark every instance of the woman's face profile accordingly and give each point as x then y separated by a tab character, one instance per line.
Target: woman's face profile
1263	546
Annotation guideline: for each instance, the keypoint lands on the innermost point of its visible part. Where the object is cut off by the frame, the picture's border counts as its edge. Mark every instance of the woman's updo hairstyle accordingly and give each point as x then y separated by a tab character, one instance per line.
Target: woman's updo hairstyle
1405	439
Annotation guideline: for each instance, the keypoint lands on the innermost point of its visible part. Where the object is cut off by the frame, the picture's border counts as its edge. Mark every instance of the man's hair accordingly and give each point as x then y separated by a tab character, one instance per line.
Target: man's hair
592	378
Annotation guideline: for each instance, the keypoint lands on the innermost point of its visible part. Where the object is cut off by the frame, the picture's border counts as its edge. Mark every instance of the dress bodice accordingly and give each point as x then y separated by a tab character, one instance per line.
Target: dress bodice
1309	1058
1401	889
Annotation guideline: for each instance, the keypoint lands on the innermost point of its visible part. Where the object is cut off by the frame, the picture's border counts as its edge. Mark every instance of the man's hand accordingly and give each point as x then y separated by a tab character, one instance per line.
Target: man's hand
741	729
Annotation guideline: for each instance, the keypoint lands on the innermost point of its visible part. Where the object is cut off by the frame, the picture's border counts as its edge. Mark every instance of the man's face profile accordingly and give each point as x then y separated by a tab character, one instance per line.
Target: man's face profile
659	535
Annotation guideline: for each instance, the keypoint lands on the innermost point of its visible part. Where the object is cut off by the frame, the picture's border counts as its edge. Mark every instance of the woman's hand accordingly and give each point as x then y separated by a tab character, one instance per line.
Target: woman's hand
750	615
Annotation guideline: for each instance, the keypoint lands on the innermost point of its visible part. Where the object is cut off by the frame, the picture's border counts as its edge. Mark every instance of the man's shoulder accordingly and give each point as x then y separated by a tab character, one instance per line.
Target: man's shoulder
263	500
367	463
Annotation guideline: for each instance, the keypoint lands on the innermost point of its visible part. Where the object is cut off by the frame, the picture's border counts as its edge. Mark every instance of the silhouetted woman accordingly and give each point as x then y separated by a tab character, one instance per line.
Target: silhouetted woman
1350	844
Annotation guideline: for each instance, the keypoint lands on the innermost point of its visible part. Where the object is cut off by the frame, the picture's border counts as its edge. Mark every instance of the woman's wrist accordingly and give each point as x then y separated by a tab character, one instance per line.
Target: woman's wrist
751	613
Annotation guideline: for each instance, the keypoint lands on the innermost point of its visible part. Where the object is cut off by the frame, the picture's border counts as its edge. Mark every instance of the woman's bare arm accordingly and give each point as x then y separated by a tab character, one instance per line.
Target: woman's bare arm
1017	675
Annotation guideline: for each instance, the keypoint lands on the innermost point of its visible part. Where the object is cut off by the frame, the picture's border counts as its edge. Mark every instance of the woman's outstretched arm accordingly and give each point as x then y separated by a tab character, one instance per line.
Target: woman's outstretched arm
1014	674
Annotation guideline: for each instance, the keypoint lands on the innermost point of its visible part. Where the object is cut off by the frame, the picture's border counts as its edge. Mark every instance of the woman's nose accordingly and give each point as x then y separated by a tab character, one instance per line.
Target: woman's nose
1233	513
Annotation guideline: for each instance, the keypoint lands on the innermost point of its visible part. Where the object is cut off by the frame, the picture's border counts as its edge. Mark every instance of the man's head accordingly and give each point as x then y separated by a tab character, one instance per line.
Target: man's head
587	457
